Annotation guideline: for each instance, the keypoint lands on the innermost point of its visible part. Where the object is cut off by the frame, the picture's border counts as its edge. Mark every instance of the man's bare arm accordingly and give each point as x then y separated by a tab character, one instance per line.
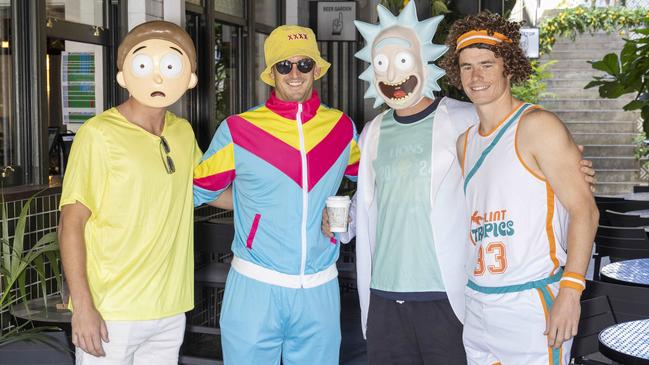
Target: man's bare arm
224	201
547	148
460	148
88	327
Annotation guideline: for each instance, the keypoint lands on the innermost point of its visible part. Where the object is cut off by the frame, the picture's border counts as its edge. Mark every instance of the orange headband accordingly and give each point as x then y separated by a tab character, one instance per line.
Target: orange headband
480	36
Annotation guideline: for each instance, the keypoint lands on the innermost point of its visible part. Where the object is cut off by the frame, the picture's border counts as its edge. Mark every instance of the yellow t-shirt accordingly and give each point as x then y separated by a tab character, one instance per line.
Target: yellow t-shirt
139	238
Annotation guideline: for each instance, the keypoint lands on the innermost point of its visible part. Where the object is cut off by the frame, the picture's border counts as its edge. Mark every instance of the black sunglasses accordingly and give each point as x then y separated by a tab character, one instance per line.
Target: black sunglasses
304	65
166	159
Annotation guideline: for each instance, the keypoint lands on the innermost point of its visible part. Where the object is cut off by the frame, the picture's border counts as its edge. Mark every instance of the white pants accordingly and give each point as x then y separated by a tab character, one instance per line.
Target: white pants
153	342
508	329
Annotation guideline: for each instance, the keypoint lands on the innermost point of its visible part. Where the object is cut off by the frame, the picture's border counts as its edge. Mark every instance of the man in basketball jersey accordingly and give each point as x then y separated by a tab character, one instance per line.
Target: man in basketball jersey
410	221
532	215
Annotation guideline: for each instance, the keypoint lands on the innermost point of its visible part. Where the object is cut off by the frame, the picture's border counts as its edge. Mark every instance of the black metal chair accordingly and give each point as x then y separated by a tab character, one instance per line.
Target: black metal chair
619	219
212	250
629	303
608	199
641	189
596	315
624	205
346	265
621	206
619	242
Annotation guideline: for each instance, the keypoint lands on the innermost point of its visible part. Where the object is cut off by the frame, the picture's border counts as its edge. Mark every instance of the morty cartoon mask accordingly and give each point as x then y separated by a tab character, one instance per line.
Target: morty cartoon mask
400	52
157	73
157	63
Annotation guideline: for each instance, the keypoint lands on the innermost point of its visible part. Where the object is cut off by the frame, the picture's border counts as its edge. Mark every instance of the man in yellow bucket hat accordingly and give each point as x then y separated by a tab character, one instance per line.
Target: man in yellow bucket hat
282	160
291	41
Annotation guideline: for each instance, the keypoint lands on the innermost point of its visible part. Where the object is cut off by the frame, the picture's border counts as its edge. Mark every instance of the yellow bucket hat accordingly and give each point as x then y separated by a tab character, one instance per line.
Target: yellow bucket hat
287	41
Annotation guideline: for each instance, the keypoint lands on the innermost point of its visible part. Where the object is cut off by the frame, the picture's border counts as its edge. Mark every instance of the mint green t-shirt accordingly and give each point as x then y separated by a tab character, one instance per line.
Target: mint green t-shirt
404	258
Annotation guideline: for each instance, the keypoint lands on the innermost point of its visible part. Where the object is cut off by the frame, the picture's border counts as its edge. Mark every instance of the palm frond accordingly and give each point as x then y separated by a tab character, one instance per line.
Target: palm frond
14	265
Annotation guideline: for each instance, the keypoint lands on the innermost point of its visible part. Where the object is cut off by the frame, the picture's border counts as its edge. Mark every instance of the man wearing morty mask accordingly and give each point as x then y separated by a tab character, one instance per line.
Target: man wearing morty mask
126	227
410	219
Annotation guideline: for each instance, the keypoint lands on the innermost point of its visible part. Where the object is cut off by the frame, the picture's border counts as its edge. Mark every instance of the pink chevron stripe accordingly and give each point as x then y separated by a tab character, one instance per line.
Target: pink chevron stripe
352	170
325	154
253	231
215	182
267	147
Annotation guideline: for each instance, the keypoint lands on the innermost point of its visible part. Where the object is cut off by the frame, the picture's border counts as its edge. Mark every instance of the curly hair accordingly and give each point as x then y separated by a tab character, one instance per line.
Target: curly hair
515	62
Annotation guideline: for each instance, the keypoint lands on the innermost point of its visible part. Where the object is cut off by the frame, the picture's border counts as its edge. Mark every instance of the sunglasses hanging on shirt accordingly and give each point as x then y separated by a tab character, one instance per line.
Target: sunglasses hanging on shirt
165	151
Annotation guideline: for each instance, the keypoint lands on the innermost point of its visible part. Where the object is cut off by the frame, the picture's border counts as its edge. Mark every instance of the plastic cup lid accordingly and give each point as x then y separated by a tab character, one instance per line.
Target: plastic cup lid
338	198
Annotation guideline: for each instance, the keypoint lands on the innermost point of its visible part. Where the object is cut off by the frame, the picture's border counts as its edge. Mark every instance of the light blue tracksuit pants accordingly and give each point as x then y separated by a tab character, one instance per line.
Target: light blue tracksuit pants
262	322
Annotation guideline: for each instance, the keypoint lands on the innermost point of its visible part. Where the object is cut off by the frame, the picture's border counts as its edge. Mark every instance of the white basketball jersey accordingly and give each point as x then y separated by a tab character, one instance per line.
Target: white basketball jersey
518	226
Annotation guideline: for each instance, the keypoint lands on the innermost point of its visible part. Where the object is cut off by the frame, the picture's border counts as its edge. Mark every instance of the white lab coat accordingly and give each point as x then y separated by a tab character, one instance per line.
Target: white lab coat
449	218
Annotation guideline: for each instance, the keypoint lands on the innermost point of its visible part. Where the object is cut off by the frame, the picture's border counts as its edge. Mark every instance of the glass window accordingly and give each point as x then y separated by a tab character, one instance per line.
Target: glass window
266	12
230	7
75	76
262	90
75	82
78	11
228	75
8	140
195	2
190	106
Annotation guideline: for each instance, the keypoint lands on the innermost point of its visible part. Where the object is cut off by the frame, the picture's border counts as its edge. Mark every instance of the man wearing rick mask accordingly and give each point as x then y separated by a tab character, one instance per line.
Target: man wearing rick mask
410	219
126	227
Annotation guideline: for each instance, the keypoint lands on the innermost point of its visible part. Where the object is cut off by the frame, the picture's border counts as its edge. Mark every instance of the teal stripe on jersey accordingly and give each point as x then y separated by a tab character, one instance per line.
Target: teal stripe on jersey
536	284
494	143
556	353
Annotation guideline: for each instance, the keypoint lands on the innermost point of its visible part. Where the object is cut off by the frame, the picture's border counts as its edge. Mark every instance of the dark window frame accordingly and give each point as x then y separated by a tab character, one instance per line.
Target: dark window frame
29	97
201	98
30	31
205	99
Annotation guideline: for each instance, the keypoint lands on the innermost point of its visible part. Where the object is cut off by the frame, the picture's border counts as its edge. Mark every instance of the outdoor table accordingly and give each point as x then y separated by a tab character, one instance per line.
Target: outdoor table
37	311
626	343
628	272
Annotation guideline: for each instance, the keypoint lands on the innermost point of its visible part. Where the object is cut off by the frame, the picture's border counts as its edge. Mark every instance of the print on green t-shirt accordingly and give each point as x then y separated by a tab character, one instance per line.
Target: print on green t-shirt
404	258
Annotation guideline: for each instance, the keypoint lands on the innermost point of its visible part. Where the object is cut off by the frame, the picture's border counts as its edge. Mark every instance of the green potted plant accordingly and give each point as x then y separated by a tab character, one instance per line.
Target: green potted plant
18	343
629	73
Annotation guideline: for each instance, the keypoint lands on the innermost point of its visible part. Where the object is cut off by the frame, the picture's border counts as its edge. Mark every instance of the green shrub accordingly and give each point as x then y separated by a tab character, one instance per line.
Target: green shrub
571	22
627	73
533	89
15	260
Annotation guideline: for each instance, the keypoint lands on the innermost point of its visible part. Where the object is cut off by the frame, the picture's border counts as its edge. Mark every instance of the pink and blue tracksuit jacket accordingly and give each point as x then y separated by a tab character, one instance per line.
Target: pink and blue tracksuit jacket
283	160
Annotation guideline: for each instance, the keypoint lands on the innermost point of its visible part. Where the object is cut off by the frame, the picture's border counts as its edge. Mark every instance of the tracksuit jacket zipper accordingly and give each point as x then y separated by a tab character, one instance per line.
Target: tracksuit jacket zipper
305	191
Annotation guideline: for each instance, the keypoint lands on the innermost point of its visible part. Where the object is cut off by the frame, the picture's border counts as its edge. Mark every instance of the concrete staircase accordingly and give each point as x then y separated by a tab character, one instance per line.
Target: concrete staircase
601	125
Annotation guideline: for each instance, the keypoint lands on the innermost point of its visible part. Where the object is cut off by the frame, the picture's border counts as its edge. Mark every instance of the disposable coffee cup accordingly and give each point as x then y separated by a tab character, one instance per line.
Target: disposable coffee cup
338	212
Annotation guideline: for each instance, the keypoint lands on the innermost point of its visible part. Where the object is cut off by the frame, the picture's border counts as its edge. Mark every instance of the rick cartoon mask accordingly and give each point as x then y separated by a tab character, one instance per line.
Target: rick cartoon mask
400	52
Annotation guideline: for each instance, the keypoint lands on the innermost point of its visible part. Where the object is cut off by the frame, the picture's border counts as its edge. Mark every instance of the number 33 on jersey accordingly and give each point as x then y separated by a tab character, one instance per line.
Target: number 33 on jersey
487	231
